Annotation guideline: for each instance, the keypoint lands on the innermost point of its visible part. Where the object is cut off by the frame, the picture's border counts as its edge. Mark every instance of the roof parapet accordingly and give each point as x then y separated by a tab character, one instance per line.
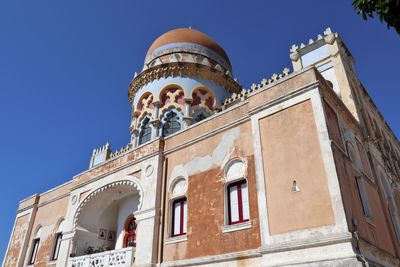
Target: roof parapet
263	84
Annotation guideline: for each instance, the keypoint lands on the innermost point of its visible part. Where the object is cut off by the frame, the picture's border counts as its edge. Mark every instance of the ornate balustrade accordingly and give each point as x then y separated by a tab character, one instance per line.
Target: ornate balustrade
115	258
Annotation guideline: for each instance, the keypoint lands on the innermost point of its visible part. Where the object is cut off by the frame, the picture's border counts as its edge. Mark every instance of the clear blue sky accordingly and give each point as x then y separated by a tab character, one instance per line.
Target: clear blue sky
65	69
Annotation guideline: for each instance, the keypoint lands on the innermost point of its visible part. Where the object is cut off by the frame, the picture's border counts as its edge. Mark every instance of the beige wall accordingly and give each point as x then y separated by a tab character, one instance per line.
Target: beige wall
291	151
47	216
17	240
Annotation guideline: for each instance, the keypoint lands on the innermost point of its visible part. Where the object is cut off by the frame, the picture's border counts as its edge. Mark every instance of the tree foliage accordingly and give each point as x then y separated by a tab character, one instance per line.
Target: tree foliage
387	10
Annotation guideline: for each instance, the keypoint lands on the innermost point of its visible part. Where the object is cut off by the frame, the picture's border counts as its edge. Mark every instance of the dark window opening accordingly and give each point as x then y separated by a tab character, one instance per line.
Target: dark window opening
171	124
145	133
56	248
34	250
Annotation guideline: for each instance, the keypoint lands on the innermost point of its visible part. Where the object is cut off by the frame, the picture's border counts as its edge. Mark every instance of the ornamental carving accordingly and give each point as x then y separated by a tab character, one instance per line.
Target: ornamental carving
203	98
178	69
172	96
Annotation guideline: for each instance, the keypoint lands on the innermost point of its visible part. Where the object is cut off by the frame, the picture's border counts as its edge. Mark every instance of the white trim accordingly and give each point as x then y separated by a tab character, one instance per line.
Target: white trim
176	239
329	163
308	235
236	227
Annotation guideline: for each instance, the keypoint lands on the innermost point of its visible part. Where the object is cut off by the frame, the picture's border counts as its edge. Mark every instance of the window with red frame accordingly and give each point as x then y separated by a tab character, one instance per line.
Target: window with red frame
179	214
238	202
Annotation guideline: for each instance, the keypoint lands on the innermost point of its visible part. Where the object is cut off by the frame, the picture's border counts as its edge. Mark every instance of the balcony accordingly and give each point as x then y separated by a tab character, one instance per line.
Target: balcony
116	258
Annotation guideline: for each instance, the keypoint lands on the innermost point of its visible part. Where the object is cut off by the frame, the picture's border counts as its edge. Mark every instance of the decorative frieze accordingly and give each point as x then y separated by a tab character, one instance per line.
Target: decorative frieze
179	69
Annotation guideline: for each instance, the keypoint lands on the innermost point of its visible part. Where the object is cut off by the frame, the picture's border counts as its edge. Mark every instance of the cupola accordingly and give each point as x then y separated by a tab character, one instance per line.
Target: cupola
185	78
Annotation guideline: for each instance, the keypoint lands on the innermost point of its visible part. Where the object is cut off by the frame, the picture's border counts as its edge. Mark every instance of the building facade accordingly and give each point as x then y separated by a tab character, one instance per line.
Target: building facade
299	170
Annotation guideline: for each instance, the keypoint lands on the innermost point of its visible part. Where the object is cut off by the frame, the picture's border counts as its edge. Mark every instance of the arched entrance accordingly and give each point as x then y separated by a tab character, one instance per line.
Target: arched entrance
101	219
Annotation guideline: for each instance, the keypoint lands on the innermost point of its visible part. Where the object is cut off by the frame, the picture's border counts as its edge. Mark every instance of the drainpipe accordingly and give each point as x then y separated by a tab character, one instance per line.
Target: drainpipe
356	243
163	207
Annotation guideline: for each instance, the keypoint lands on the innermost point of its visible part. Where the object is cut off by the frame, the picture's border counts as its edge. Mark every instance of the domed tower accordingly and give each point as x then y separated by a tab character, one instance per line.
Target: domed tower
185	78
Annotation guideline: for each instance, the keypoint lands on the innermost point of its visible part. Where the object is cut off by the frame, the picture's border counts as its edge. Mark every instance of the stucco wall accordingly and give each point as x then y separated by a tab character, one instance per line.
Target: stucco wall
17	240
202	164
206	217
291	151
47	217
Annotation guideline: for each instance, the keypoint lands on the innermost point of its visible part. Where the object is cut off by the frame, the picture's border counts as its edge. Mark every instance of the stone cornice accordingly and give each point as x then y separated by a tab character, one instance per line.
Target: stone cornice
180	69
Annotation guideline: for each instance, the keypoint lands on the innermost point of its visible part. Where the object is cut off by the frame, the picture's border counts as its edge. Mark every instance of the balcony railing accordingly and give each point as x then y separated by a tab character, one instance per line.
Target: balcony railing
116	258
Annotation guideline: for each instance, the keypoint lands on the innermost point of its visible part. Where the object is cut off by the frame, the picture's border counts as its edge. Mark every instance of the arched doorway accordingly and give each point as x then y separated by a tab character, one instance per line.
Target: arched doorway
101	222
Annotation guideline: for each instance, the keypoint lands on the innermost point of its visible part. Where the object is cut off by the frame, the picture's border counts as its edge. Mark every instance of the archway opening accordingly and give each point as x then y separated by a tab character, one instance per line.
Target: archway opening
101	224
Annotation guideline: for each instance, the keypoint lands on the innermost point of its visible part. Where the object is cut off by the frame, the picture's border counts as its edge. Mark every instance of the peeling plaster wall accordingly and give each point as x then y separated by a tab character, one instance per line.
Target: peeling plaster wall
202	165
47	217
17	241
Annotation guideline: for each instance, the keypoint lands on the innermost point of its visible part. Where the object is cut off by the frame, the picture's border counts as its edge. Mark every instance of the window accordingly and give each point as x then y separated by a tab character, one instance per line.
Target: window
199	115
145	132
171	125
362	191
35	247
130	232
56	248
179	214
238	202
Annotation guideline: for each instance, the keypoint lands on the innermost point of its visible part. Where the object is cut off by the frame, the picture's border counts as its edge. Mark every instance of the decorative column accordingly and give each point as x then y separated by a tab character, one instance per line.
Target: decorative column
187	118
134	128
156	121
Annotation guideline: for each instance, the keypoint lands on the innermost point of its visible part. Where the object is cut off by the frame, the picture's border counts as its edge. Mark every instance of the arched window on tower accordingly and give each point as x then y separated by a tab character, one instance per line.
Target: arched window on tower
145	131
172	124
199	115
130	232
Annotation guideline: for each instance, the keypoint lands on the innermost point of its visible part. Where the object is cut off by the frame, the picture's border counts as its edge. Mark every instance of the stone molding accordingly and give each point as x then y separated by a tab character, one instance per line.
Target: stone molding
99	190
179	69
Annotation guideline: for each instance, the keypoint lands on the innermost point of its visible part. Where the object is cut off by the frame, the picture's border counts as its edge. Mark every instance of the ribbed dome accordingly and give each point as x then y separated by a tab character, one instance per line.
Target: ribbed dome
187	35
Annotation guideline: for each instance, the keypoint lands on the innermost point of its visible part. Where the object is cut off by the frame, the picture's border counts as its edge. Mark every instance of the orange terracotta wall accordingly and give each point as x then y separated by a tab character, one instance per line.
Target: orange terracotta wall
333	126
205	198
374	230
291	151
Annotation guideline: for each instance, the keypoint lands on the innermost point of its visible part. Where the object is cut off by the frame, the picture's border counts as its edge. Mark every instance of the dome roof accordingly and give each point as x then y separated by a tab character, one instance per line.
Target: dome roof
187	35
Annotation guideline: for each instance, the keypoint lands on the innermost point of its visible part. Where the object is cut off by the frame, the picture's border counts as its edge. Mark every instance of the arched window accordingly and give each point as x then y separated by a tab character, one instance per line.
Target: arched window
171	124
35	247
145	131
179	217
57	244
199	115
57	241
353	154
178	206
237	196
130	232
